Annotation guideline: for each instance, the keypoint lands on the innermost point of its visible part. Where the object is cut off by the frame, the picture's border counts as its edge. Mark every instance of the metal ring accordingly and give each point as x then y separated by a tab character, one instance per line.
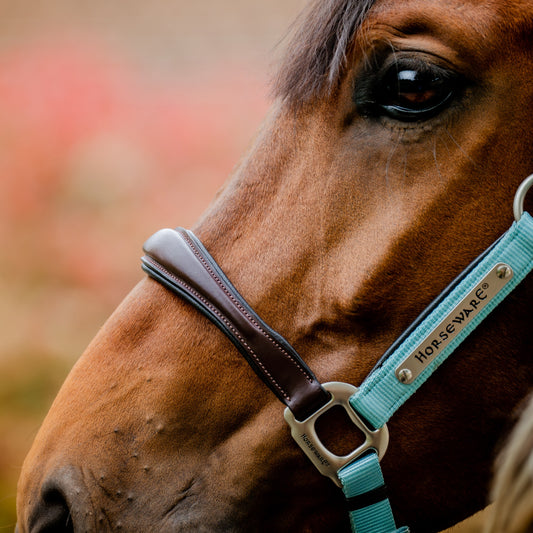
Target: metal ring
518	204
327	462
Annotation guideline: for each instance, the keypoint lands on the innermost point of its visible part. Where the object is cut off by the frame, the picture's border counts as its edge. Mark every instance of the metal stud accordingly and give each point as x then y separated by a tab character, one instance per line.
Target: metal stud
504	271
405	376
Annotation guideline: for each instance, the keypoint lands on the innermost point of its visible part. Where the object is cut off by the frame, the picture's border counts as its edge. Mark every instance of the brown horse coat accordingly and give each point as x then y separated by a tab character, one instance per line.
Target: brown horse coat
389	161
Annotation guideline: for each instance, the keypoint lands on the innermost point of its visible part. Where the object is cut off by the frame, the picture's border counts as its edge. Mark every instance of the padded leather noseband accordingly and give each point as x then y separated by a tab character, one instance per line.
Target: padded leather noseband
178	260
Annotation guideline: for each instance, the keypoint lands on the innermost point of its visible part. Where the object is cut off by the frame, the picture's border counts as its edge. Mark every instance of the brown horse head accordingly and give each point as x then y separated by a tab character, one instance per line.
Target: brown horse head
389	161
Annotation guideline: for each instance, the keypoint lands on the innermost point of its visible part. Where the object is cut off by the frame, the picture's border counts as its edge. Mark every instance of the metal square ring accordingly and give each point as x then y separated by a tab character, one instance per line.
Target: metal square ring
304	433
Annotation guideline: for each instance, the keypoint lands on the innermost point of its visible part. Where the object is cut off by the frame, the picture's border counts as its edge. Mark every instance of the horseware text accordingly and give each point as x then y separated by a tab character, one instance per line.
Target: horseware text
312	448
450	328
452	324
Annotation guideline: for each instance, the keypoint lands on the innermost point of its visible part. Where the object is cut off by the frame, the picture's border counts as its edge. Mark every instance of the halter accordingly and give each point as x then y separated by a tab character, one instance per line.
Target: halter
179	261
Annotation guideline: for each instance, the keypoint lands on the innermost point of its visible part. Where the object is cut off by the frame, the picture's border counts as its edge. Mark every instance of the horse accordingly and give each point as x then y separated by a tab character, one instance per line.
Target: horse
512	490
397	137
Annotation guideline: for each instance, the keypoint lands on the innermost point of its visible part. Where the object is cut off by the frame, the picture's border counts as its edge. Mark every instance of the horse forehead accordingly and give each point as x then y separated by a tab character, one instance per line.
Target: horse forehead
471	26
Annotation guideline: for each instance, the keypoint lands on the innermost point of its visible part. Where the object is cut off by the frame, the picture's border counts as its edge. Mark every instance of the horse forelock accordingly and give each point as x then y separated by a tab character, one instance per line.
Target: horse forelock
315	57
318	45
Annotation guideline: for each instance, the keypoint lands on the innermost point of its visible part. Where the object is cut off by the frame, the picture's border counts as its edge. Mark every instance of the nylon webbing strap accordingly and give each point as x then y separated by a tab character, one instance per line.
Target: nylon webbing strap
365	492
382	393
179	261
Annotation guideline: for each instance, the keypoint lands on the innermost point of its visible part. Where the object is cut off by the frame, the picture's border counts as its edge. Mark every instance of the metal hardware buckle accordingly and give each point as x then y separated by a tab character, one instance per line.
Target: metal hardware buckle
304	433
520	195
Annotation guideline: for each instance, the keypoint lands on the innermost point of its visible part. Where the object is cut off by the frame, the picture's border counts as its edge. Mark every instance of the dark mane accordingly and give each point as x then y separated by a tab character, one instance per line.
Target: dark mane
316	54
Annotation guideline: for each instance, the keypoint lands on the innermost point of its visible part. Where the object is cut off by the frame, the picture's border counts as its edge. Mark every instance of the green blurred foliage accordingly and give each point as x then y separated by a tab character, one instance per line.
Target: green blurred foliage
29	384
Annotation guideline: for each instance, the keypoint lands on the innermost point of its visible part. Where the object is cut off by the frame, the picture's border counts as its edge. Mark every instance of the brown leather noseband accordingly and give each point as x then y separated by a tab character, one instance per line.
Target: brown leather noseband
178	260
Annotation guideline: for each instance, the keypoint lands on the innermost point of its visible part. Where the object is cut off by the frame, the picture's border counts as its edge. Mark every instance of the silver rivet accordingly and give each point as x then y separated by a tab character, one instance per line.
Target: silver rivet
405	375
504	271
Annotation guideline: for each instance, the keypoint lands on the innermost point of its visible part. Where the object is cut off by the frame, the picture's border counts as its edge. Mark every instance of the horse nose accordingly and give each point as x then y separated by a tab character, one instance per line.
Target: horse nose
52	512
61	507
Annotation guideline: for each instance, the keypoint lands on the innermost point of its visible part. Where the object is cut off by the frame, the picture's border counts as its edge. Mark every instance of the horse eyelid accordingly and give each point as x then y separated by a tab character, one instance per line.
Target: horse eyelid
370	90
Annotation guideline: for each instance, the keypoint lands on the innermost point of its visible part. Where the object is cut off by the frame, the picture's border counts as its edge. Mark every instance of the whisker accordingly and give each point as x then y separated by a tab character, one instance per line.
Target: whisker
459	146
389	159
435	159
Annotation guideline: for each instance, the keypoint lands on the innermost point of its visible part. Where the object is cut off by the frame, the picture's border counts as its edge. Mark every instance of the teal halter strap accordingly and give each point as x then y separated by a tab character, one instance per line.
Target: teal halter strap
382	392
390	385
180	262
365	492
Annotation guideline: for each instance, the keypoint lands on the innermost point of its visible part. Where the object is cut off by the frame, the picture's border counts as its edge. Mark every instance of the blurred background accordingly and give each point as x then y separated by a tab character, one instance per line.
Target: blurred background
116	119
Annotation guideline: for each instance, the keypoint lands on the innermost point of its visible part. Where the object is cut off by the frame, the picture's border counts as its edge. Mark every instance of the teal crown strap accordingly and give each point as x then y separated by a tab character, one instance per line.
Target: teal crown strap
383	392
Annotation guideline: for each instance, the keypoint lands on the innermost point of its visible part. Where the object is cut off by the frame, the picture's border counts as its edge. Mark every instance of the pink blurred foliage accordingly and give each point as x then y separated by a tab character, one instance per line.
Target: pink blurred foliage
96	154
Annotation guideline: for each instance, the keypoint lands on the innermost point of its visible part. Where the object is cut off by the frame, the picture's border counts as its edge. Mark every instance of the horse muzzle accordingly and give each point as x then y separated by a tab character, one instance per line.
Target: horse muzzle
61	504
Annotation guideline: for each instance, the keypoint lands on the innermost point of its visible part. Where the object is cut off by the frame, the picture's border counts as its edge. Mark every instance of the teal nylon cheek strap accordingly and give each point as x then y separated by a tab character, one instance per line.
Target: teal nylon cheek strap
383	392
179	261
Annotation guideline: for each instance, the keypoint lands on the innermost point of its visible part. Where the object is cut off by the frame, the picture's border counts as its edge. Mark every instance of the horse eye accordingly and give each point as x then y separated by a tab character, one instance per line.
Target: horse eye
411	94
408	89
